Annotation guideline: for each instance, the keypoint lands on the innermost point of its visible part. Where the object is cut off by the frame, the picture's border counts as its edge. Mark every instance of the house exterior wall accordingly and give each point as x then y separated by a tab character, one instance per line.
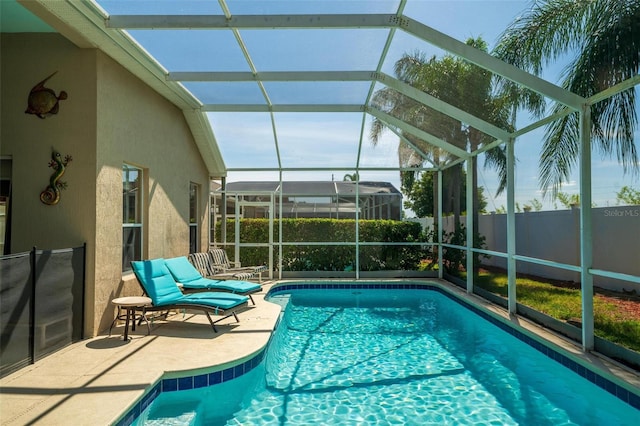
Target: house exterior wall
139	127
109	118
28	140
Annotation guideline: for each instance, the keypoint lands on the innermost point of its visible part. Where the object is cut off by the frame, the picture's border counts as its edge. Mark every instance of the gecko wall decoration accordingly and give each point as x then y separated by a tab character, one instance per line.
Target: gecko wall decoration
51	195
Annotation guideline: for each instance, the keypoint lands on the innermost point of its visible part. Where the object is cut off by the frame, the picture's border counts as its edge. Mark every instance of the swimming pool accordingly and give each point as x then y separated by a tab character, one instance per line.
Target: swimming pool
375	355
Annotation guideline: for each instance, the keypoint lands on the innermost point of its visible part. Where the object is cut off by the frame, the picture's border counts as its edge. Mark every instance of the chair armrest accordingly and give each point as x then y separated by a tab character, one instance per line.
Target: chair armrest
218	267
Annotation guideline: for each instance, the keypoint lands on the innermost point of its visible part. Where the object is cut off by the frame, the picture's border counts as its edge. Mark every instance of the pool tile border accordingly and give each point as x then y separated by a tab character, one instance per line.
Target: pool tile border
220	376
189	382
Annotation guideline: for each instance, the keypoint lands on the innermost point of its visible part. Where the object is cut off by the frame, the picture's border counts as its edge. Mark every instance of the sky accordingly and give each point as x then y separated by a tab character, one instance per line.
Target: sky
330	140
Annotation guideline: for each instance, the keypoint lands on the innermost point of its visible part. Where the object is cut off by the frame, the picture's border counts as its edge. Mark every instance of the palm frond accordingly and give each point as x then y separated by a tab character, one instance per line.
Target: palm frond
606	35
496	158
560	152
516	97
545	32
376	131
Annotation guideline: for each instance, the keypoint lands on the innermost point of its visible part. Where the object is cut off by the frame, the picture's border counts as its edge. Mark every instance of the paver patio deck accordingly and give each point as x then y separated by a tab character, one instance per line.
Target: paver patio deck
94	381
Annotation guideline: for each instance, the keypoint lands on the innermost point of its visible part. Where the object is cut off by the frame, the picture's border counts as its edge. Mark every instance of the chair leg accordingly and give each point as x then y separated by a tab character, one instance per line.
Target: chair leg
144	317
211	321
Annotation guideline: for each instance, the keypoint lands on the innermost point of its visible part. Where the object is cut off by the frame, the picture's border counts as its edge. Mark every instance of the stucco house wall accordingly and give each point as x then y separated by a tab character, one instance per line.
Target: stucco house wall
109	118
28	140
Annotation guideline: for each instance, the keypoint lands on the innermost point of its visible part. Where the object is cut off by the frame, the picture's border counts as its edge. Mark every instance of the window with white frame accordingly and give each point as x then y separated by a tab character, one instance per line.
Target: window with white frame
193	217
131	215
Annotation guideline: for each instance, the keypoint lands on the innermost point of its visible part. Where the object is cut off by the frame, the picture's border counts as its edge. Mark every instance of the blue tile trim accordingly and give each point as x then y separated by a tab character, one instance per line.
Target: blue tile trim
189	382
169	385
185	383
215	378
201	381
604	383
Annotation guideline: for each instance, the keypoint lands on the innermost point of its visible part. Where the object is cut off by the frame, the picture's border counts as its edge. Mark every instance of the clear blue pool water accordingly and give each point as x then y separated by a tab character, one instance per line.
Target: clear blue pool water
393	357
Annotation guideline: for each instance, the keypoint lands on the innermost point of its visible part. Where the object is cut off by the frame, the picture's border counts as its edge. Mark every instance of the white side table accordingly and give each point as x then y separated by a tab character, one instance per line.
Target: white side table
131	305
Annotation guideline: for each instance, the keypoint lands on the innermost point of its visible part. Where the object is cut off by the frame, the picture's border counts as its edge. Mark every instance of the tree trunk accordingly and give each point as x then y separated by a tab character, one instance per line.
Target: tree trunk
475	209
455	193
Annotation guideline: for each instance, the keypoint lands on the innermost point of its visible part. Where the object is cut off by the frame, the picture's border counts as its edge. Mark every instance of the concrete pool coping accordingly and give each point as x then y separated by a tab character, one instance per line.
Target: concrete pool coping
96	380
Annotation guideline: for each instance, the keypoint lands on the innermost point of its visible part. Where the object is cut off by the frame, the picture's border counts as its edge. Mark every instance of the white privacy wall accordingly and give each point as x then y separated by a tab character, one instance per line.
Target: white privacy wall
554	235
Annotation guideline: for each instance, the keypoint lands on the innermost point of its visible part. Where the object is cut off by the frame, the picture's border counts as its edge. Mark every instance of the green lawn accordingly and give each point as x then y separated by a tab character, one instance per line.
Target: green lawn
564	304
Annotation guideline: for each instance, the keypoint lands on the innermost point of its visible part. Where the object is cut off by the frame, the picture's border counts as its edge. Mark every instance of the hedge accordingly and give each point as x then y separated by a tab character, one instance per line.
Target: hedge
331	257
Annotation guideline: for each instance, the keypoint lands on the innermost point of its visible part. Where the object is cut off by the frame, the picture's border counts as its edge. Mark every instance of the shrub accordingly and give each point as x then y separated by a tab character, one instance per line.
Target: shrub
337	257
454	259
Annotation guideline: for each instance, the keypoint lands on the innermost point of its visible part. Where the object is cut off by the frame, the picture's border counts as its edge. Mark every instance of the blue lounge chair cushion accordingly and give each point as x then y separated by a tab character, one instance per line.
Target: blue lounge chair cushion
182	270
185	273
233	285
157	281
161	287
222	300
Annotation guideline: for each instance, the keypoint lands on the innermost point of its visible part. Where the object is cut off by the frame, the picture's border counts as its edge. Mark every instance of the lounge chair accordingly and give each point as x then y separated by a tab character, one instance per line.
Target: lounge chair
221	263
192	281
158	283
203	262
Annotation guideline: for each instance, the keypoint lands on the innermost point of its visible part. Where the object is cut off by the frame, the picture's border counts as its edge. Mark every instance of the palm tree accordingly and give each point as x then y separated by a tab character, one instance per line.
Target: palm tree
605	37
458	83
461	84
427	74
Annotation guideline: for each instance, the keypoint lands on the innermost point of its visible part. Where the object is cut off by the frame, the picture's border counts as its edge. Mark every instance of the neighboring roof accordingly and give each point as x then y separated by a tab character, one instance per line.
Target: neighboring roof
314	188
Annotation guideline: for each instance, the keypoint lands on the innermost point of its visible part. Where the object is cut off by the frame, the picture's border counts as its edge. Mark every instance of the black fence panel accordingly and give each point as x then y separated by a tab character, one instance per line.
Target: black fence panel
42	299
15	312
58	299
